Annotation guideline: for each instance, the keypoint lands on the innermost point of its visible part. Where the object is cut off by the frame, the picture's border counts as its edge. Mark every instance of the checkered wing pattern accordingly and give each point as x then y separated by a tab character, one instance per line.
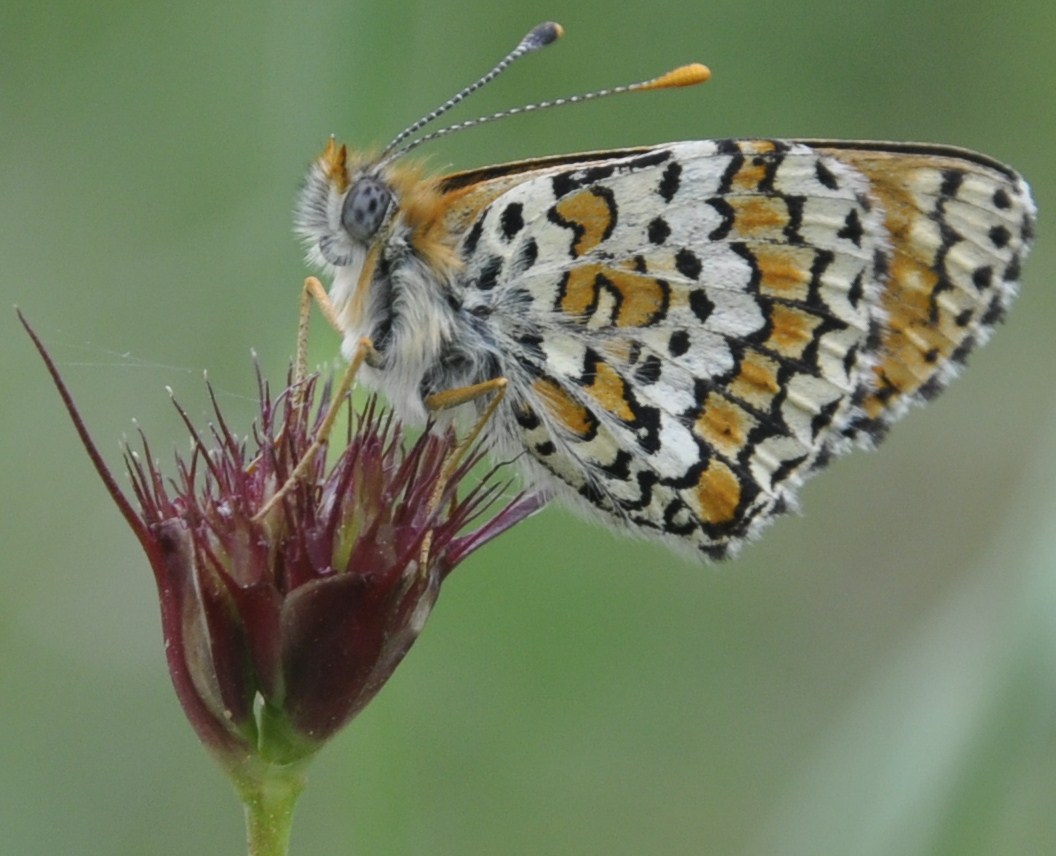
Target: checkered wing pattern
689	330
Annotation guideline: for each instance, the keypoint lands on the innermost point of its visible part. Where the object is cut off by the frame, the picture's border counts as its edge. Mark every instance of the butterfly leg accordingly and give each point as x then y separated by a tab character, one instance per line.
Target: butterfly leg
496	387
449	398
312	292
364	353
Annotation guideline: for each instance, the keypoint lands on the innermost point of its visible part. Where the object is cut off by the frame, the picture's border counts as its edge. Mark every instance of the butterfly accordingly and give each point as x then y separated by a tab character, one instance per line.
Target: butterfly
670	338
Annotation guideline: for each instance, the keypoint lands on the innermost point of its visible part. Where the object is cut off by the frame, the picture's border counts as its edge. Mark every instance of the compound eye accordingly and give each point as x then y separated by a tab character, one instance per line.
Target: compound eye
364	208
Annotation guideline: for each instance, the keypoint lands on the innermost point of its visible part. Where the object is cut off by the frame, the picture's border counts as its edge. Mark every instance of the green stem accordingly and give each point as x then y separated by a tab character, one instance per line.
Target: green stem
269	799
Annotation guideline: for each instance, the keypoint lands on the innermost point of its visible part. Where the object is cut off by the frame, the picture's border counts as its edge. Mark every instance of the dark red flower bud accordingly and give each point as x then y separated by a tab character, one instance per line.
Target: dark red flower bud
278	631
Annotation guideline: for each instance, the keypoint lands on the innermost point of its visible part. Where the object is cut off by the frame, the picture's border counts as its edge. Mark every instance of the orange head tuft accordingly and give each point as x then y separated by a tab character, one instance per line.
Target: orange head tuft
335	159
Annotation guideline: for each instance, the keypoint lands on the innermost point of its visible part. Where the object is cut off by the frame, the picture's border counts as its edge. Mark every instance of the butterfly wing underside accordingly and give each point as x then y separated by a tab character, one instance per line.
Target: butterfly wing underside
960	227
689	330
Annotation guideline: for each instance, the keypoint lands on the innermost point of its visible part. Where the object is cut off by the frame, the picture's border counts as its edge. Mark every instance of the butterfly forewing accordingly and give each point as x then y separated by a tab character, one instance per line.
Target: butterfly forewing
689	329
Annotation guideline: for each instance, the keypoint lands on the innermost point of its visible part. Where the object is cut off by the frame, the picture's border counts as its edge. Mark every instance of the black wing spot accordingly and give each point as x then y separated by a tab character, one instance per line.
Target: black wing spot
489	274
951	182
526	418
825	175
647	429
701	306
881	265
594	174
659	231
532	357
850	359
787	468
512	220
566	182
651	159
562	184
857	290
469	244
1000	236
961	353
525	258
687	263
620	466
995	311
852	228
670	182
823	418
649	370
794	204
1028	230
678	344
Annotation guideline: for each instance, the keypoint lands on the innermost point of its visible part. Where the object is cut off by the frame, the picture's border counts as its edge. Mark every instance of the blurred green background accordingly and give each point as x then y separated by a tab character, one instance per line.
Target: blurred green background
873	677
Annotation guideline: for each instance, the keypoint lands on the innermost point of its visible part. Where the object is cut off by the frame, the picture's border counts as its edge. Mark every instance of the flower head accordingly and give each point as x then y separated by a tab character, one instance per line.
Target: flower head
278	631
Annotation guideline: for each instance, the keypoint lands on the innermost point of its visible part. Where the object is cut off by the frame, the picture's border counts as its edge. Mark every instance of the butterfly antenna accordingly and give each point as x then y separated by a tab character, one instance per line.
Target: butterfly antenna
540	36
685	75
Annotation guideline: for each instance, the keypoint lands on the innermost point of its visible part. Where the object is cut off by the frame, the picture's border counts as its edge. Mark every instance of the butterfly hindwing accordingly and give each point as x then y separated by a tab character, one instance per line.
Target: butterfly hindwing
960	227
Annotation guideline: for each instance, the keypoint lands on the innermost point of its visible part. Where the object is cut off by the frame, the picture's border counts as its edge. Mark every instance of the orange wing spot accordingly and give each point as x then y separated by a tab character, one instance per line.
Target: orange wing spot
791	330
756	147
718	494
335	161
907	298
573	416
590	211
911	330
749	176
579	291
756	384
609	390
723	425
641	299
759	216
783	271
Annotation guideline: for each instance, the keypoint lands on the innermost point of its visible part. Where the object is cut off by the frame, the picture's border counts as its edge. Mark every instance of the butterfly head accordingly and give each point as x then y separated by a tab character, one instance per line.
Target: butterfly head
347	207
343	208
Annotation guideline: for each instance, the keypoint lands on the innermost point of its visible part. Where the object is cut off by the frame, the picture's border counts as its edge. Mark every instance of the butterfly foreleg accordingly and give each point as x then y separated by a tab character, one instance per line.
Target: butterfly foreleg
364	353
312	292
